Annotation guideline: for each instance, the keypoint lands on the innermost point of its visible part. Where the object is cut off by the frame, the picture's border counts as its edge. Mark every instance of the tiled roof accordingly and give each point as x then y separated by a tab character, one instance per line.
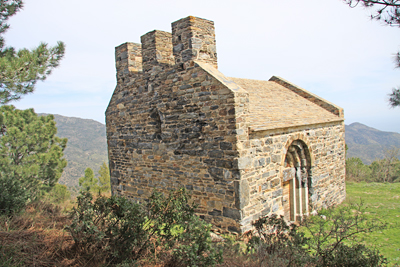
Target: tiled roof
274	106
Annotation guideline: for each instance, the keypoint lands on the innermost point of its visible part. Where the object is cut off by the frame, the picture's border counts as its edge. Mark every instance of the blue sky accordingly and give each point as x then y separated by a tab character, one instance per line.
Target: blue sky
325	47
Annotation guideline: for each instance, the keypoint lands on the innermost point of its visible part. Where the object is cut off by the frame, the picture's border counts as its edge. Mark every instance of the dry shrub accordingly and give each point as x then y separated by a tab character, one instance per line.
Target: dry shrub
35	237
33	247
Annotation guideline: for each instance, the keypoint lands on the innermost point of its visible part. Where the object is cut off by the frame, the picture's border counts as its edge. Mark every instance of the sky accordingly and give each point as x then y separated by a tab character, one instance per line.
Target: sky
325	47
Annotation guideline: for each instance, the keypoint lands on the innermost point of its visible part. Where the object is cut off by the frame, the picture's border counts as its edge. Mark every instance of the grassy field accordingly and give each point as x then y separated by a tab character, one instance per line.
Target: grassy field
382	201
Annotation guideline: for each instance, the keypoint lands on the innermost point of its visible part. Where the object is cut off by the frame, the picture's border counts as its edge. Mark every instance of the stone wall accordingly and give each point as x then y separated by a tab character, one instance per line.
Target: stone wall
174	126
263	157
175	121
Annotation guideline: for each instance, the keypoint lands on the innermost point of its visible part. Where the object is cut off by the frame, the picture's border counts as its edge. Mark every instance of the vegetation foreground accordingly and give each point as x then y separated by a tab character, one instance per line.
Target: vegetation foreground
99	233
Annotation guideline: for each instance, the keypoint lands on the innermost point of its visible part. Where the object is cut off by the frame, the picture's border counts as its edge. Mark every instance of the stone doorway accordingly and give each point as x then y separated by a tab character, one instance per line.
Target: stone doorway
296	181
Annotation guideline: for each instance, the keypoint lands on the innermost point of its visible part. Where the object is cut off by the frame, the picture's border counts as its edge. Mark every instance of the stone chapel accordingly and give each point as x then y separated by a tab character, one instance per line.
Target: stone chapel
242	148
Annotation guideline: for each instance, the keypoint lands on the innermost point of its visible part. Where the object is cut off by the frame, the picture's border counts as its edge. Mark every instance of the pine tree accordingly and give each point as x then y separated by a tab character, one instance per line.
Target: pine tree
20	70
30	153
59	193
30	156
88	182
104	178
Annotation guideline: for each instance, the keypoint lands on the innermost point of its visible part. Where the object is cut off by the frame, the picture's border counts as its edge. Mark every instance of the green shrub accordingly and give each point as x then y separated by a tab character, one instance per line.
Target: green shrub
115	230
336	237
13	196
381	170
195	246
175	226
168	215
332	238
351	255
108	229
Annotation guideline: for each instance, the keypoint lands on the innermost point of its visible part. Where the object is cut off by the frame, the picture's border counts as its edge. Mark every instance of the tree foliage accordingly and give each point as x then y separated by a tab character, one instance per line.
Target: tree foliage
88	182
387	11
30	152
356	170
336	235
331	238
59	193
381	170
388	168
104	178
99	185
394	96
14	195
20	70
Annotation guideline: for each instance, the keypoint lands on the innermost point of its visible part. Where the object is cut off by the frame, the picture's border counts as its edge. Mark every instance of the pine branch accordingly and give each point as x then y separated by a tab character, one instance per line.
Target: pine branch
388	12
19	71
394	98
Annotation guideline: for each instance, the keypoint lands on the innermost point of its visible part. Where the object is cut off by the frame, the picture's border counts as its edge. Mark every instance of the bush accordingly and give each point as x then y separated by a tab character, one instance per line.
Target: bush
195	245
115	230
334	238
108	229
385	170
277	243
13	197
355	255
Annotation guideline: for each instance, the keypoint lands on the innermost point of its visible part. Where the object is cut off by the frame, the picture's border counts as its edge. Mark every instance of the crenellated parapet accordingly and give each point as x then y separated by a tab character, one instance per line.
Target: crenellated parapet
128	60
157	51
192	39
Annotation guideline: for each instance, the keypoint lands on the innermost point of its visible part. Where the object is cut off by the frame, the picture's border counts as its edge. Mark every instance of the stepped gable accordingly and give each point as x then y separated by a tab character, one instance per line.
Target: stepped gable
242	148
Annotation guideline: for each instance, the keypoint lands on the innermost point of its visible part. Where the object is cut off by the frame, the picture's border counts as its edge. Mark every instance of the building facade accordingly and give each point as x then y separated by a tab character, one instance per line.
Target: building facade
242	148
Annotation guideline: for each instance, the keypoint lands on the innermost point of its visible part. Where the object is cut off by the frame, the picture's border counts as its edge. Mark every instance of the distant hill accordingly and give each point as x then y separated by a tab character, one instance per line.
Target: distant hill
368	143
86	147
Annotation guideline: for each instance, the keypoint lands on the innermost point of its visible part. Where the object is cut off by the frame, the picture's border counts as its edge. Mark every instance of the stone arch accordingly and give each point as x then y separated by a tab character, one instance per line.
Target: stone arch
296	179
297	137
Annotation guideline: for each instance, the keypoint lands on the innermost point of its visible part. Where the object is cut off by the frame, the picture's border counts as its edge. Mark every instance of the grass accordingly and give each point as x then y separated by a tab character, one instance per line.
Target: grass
382	202
34	238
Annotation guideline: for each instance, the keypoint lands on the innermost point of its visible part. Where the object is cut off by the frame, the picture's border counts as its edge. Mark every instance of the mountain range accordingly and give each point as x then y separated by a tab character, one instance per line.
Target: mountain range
368	143
87	145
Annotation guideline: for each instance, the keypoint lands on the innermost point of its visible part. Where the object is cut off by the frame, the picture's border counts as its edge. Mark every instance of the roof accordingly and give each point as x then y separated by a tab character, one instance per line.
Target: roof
273	105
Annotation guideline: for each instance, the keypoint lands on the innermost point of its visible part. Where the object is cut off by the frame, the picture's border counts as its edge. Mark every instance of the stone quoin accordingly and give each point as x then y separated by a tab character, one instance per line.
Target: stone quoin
242	148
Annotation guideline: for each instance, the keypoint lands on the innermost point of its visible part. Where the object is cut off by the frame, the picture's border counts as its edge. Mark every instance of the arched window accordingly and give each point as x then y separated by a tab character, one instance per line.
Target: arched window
296	181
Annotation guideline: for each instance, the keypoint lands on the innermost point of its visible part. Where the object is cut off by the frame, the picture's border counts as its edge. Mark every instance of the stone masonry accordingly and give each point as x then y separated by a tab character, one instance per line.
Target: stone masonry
242	148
